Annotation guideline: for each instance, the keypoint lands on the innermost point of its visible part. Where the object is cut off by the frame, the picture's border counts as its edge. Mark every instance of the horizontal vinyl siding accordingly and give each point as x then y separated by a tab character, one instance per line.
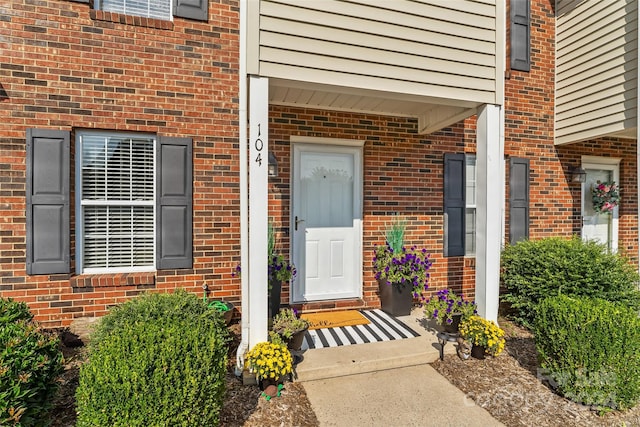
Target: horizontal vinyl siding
441	49
596	69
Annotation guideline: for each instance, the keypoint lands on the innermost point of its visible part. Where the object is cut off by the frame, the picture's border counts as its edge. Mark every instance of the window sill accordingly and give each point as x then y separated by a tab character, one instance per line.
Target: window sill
113	280
139	21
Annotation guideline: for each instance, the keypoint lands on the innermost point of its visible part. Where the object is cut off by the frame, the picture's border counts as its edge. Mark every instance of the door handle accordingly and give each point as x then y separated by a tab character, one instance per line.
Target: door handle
297	221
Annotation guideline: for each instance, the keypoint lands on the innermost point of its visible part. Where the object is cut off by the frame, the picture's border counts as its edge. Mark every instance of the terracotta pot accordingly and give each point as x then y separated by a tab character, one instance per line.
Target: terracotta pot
395	300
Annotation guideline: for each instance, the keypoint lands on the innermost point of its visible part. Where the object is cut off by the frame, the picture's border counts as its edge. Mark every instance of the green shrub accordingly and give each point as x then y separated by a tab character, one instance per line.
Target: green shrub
158	360
12	311
152	307
30	361
589	350
533	270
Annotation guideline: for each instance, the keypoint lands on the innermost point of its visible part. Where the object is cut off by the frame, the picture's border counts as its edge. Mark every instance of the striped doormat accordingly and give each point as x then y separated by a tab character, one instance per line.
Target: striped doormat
383	327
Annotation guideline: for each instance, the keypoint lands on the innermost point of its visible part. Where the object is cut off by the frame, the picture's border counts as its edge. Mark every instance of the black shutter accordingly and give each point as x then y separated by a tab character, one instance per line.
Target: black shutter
520	35
192	9
454	204
47	197
174	205
518	199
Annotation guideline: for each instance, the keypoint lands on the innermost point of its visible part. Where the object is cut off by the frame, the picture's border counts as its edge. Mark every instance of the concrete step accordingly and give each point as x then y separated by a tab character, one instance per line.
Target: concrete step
331	362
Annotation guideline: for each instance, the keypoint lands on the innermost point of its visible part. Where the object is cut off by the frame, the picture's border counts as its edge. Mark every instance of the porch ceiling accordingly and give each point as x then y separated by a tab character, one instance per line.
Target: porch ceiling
432	113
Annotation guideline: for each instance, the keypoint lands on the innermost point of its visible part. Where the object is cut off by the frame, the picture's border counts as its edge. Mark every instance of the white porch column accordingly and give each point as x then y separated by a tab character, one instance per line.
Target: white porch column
489	208
638	155
258	209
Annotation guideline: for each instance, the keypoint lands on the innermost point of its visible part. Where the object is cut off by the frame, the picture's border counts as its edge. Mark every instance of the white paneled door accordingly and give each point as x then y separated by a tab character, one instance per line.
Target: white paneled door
326	222
601	227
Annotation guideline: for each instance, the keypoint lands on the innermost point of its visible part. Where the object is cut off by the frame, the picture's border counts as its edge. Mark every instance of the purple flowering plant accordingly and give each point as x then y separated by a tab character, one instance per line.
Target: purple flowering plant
445	304
278	269
404	267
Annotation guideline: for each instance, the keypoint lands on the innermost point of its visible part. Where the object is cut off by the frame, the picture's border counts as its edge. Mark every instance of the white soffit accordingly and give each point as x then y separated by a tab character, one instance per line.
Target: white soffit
433	113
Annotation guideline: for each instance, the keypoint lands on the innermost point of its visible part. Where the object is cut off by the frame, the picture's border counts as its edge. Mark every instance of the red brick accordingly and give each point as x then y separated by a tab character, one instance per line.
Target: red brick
163	70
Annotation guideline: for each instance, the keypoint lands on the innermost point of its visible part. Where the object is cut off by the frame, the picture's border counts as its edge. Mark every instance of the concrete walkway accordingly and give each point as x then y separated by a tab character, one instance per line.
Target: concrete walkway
387	384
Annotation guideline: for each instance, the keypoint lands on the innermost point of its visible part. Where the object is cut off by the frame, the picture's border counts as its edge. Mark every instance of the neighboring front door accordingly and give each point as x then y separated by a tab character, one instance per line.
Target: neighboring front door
326	222
600	227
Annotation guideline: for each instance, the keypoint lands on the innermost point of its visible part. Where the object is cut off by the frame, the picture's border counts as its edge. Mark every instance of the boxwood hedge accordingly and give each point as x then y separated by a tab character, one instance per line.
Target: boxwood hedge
589	350
158	360
535	269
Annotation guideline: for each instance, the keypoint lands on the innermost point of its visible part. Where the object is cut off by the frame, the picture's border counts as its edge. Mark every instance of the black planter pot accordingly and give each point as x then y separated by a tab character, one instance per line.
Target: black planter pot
452	327
274	298
478	351
395	300
295	342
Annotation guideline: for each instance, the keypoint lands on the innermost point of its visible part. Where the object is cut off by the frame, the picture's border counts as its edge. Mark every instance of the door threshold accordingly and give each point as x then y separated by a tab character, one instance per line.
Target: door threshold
333	305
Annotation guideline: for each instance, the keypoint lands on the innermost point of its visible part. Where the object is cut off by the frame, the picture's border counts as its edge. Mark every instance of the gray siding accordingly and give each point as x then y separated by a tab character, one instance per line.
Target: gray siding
596	69
437	48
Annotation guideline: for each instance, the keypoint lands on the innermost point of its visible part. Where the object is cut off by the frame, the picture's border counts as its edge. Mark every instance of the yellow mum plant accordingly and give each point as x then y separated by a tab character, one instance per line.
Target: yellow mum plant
268	360
483	332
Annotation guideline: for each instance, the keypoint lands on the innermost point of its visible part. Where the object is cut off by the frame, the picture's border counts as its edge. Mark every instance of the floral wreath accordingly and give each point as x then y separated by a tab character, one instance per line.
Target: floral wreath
605	196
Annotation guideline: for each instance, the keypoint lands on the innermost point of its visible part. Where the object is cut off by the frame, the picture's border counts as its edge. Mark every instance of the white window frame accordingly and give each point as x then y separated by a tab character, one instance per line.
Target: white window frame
100	5
470	208
80	204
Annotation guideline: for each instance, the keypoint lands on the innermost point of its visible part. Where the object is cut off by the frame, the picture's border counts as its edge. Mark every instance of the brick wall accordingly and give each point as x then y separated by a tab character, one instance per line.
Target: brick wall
529	109
625	150
63	66
555	208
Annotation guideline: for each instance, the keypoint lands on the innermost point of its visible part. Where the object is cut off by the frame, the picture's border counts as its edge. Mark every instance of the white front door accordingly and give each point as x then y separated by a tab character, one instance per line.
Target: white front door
326	222
600	227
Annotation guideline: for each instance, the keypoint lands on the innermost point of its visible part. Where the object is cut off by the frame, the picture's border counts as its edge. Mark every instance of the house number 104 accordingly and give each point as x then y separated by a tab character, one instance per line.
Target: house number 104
259	145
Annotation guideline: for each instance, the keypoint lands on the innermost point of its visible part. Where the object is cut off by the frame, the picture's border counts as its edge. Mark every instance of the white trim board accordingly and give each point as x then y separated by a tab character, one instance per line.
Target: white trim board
327	141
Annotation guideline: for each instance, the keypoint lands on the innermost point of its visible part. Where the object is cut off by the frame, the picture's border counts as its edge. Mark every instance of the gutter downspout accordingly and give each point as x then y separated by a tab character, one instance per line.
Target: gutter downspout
244	189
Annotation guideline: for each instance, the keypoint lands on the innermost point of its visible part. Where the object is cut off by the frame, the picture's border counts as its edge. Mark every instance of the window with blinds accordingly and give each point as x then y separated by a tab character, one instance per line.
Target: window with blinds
159	9
470	201
117	202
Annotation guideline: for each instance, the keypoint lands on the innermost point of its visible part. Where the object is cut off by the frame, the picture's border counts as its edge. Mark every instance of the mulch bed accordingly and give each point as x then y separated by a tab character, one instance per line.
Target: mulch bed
509	388
244	405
